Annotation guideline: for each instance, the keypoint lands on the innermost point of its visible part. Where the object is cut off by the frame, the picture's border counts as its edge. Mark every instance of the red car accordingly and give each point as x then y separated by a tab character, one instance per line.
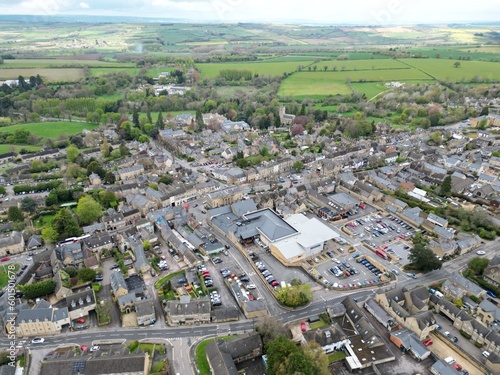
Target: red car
303	326
275	283
84	348
80	320
427	342
6	259
457	367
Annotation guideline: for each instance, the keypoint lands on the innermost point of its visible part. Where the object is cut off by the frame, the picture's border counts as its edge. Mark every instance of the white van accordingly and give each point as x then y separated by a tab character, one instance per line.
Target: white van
450	360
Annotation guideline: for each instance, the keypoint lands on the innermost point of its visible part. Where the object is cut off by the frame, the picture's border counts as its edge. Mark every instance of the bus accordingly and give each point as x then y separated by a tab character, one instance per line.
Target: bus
381	253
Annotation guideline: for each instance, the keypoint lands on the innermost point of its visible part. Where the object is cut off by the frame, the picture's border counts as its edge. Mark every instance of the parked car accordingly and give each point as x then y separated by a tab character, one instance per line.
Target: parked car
485	354
251	286
438	326
303	326
427	342
95	348
411	275
454	339
38	340
80	320
5	259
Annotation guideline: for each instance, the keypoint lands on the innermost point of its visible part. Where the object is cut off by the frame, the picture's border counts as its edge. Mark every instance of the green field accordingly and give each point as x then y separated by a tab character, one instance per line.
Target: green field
47	74
51	129
8	148
95	72
444	69
312	85
370	89
55	63
262	68
4	275
317	84
361	64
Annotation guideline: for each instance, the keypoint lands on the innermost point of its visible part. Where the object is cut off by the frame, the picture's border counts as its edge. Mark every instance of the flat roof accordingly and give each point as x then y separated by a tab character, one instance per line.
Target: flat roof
343	199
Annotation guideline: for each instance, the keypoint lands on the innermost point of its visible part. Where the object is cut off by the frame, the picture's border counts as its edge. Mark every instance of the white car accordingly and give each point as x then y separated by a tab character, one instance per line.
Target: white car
95	348
480	252
29	259
251	286
38	340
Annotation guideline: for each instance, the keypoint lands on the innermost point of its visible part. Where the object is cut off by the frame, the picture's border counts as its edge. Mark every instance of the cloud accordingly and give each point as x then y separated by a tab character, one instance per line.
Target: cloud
41	7
84	5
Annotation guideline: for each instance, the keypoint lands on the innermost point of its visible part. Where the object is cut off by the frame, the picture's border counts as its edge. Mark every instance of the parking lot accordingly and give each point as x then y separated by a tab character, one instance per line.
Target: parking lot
345	278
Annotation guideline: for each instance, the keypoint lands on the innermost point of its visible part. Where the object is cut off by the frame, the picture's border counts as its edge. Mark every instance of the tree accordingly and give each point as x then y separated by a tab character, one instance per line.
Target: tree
28	205
49	234
314	352
105	147
295	295
457	64
71	271
146	245
95	167
109	178
270	328
478	265
298	165
15	214
277	351
108	199
86	274
65	224
423	258
445	189
159	121
88	210
72	153
40	289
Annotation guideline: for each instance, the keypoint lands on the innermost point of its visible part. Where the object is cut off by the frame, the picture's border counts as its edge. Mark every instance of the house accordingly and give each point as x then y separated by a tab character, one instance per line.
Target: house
34	242
187	311
81	304
442	368
285	118
40	320
129	173
145	311
98	242
224	197
492	271
12	243
113	220
488	313
456	286
95	180
410	343
141	261
223	356
70	254
118	284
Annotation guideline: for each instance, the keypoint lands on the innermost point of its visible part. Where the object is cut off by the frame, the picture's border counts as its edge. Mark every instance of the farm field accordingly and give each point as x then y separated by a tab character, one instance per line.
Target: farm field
50	129
56	63
47	74
370	64
311	84
444	69
317	84
95	72
370	89
266	68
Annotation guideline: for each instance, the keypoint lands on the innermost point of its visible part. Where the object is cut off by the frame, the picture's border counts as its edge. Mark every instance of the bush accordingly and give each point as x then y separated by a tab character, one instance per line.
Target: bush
133	346
465	334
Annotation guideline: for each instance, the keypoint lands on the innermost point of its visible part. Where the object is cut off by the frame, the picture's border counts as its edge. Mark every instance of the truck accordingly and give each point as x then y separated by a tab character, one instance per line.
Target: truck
381	253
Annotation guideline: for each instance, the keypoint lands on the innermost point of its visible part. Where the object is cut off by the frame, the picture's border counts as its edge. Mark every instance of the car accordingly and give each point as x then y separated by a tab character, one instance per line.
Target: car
80	320
245	279
98	278
303	326
24	267
114	267
217	260
275	283
457	367
251	286
5	259
411	275
38	340
336	261
480	252
395	271
491	294
181	281
84	348
427	342
439	327
95	348
485	354
29	259
310	261
330	254
454	339
446	333
203	211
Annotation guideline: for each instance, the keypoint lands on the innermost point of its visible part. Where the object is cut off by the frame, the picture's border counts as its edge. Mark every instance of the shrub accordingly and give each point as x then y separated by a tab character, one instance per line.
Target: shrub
133	346
465	334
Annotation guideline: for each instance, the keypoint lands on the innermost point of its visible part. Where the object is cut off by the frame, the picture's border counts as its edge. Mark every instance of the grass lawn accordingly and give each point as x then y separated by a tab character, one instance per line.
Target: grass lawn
201	357
261	68
369	64
313	84
150	347
4	278
318	324
335	356
159	283
53	63
8	148
47	74
44	220
95	72
51	129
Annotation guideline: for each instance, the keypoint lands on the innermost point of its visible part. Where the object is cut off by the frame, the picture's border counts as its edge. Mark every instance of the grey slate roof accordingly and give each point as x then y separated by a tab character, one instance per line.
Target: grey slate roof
116	279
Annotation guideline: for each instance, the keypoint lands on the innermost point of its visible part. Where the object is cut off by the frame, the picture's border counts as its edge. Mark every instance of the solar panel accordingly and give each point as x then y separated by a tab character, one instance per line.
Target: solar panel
78	367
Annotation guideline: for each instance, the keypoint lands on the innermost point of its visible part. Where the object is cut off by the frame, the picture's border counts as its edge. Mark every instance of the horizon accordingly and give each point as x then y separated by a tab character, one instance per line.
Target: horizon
355	13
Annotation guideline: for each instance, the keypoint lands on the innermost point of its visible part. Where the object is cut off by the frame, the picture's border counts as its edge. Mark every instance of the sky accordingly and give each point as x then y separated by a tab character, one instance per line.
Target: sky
359	12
